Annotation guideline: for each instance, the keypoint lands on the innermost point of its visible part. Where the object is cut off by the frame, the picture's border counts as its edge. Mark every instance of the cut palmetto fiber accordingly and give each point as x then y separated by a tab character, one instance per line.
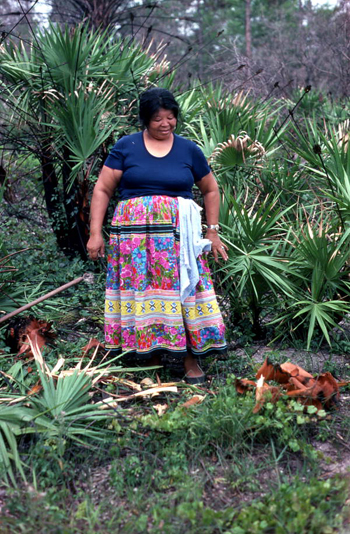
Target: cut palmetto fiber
89	376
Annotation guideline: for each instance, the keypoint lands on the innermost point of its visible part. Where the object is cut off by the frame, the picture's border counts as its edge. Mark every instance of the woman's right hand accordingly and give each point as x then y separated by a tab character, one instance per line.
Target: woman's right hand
96	247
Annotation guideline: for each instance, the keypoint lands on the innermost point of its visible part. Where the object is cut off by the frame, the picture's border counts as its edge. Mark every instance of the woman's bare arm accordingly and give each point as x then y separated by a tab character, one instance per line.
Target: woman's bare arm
210	191
103	191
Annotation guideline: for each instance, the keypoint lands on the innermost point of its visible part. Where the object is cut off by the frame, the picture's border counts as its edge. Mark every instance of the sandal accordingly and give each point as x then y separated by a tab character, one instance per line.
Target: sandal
196	379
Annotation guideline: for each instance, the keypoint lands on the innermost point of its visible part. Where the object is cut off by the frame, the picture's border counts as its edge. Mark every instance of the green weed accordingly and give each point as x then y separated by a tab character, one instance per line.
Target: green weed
311	508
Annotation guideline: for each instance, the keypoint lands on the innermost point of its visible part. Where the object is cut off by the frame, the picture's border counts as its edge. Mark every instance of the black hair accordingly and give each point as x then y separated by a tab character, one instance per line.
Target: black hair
152	101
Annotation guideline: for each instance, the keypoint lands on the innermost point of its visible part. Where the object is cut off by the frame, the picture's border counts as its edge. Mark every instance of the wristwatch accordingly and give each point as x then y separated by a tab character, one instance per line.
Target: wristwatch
215	227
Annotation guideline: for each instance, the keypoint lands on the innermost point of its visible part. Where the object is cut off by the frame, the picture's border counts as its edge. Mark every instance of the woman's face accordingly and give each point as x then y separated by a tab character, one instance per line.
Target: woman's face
162	124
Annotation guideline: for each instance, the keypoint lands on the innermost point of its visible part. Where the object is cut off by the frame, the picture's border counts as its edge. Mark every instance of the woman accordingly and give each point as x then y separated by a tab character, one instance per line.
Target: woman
154	170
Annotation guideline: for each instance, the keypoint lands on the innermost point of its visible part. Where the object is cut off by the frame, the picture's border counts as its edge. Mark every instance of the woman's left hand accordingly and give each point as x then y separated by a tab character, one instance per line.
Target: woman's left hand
217	246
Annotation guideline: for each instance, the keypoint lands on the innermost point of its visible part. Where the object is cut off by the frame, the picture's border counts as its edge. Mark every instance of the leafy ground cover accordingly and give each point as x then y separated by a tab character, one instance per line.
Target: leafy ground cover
212	467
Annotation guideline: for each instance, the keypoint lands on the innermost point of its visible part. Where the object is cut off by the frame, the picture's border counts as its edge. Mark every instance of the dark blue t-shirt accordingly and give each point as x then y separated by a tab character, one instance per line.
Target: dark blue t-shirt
143	174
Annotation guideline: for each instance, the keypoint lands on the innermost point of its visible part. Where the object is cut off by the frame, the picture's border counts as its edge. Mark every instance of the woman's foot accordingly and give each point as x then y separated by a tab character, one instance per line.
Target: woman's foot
155	360
194	374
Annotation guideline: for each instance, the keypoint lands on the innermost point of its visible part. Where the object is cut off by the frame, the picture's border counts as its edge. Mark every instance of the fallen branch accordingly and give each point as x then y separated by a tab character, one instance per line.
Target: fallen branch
87	277
113	403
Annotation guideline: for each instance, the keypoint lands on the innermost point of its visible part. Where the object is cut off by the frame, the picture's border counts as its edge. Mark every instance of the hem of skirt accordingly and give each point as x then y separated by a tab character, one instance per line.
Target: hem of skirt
209	352
136	355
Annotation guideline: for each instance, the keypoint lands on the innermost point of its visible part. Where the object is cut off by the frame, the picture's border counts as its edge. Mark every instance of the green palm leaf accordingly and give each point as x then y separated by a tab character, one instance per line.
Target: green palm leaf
320	313
13	422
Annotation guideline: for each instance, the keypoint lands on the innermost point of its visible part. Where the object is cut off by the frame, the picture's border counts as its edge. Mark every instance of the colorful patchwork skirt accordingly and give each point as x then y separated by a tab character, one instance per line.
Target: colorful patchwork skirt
143	312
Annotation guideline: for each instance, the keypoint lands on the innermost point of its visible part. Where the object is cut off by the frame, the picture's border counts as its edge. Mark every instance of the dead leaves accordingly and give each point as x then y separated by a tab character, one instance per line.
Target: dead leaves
321	391
196	399
29	331
93	343
103	375
264	391
282	373
26	331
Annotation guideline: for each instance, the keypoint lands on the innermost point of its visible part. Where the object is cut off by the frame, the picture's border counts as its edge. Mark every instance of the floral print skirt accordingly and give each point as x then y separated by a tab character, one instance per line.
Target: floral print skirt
143	312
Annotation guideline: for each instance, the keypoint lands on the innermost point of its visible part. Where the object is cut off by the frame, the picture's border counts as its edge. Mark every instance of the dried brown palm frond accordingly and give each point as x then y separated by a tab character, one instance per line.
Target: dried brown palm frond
160	64
232	100
236	150
343	134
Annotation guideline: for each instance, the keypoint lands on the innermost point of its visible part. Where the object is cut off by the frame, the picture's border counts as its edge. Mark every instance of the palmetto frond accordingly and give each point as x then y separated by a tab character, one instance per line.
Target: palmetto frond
327	159
12	421
257	264
63	86
62	410
319	270
224	115
64	99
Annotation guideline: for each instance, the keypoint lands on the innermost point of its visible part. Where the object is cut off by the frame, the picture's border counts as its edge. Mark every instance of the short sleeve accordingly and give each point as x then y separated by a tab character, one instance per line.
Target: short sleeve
115	159
200	167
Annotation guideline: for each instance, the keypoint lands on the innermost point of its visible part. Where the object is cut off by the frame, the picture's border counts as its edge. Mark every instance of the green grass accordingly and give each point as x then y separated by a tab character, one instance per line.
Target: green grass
190	471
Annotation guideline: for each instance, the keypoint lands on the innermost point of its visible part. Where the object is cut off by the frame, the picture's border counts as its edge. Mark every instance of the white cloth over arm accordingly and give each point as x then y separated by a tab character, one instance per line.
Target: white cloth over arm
191	245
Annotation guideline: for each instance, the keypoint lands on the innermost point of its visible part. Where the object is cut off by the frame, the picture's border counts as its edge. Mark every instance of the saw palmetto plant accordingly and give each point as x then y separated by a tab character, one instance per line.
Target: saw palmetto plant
275	268
257	266
225	115
59	407
64	407
326	159
64	98
320	273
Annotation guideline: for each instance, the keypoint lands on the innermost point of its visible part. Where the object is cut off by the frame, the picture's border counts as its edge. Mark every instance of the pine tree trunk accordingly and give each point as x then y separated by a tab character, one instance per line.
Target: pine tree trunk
77	210
70	222
51	195
248	31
